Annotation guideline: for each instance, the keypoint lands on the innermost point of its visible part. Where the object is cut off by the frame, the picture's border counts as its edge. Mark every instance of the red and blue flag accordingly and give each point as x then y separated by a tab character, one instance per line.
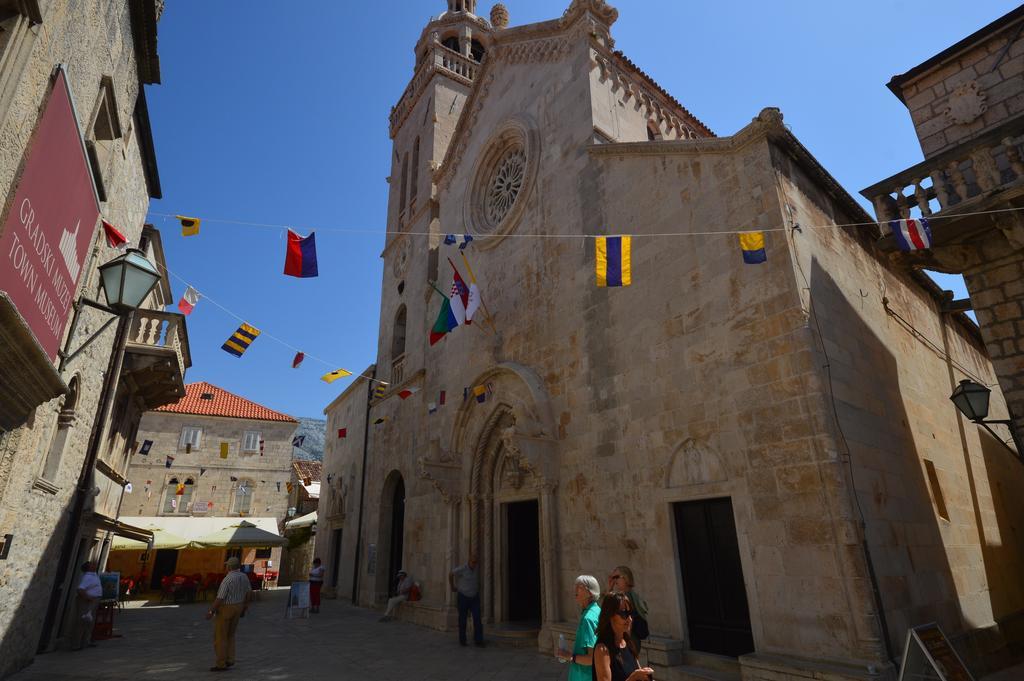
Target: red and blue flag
912	234
300	258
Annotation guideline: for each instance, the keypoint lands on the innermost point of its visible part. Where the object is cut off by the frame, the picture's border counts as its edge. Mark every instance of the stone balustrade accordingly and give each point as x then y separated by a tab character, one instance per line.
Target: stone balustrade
154	329
987	164
440	59
397	370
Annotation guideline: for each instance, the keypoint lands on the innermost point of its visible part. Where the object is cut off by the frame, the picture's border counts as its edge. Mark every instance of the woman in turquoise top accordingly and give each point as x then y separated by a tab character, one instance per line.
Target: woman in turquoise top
582	657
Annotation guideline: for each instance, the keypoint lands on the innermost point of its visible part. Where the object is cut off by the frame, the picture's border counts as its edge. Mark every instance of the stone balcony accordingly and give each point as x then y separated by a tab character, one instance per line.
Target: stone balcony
959	188
440	60
157	355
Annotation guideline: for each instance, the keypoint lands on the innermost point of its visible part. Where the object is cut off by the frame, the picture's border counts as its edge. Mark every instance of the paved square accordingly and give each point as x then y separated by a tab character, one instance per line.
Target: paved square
343	642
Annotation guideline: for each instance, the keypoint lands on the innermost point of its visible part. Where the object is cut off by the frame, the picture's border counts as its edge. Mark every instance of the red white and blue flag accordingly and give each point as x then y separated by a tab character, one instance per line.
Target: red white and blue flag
913	234
460	297
300	258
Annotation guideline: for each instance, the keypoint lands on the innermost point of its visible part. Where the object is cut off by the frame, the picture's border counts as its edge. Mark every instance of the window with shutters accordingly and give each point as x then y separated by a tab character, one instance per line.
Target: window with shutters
251	441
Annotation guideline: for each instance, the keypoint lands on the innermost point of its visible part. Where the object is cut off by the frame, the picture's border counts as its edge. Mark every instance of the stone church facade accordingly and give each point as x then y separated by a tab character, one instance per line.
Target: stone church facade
770	447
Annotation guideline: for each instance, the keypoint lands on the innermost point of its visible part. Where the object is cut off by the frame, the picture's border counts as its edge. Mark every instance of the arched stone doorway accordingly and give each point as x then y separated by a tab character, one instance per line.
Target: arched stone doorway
391	535
508	514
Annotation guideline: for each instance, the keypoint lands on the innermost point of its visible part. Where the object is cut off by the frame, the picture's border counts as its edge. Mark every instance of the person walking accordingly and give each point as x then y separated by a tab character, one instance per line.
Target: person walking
615	655
621	579
465	580
316	582
230	605
86	601
582	658
401	595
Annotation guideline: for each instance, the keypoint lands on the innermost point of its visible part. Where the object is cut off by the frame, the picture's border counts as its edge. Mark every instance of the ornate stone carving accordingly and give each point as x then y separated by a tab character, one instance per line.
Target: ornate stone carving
604	12
695	463
534	51
441	470
506	184
499	16
966	104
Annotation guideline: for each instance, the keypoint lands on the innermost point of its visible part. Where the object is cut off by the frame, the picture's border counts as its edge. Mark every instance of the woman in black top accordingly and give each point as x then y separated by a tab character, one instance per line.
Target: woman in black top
615	653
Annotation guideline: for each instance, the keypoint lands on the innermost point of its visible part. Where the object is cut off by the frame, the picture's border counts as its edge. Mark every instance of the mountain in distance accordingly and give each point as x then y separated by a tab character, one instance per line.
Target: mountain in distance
315	431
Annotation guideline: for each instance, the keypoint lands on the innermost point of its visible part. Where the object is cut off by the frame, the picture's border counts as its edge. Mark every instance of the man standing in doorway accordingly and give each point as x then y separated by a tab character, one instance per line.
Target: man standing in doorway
465	580
232	601
88	598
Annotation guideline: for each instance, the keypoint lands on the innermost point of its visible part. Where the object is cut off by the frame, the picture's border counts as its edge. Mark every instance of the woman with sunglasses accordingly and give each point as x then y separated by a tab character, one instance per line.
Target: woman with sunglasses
615	653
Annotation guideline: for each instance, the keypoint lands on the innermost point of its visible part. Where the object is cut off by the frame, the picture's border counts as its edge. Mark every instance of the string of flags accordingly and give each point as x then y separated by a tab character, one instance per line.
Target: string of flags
612	265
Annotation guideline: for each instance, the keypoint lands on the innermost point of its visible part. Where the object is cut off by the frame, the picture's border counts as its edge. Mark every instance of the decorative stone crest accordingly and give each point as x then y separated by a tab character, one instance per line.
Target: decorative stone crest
695	463
966	104
599	8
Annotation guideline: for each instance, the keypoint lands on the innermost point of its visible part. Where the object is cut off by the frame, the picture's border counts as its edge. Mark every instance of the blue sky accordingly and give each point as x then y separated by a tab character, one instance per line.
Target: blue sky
277	113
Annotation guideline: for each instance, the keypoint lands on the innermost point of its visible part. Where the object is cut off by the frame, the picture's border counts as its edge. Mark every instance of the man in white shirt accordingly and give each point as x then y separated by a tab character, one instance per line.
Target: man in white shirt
231	603
88	599
404	586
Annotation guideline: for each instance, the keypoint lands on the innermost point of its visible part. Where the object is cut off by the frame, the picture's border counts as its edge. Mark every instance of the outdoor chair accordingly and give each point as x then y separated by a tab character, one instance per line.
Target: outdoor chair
166	588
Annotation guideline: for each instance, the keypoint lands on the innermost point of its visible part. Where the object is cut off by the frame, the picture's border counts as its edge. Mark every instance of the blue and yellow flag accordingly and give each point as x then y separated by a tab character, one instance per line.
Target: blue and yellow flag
240	340
189	226
379	391
613	261
752	244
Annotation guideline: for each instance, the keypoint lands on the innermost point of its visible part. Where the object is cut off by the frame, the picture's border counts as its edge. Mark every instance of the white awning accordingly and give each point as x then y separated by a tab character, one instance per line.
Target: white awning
192	529
307	520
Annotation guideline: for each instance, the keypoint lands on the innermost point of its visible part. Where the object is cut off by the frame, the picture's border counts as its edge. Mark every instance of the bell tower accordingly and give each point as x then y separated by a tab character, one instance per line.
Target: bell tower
448	57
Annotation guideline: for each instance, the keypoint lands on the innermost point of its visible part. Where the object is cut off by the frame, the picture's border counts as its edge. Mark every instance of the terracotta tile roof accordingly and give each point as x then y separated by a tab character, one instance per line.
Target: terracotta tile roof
307	469
206	399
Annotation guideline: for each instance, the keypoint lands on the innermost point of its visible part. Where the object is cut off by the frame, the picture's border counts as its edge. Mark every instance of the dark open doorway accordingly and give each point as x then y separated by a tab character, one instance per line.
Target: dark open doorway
335	557
164	563
717	615
397	534
523	561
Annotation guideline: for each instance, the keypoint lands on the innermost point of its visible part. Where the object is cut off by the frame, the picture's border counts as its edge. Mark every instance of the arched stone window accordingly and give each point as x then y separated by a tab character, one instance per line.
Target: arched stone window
242	501
415	180
405	183
65	421
452	43
476	50
398	334
178	495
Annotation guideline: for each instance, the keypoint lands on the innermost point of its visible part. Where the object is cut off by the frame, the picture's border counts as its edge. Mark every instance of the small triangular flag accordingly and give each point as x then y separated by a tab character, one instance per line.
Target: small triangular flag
408	392
114	236
342	432
381	420
299	356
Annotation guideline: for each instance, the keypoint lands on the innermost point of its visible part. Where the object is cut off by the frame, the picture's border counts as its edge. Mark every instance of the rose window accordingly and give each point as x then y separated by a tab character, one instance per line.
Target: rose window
505	185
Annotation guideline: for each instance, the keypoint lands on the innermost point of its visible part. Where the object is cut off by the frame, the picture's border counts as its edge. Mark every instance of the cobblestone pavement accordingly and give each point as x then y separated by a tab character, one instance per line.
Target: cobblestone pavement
343	642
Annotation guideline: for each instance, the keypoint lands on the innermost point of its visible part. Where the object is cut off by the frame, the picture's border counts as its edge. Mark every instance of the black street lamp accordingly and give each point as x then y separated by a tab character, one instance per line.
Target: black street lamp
972	400
126	281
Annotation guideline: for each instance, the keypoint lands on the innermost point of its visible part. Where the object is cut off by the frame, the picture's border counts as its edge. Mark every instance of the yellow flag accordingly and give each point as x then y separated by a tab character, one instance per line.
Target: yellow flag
335	375
189	226
223	450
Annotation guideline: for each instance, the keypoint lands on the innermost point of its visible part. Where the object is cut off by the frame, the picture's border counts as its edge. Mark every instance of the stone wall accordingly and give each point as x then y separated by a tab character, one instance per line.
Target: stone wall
94	39
965	96
893	359
266	476
339	487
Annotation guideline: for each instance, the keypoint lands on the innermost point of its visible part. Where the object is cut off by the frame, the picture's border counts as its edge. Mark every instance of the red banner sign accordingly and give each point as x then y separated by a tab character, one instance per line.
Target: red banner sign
51	221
